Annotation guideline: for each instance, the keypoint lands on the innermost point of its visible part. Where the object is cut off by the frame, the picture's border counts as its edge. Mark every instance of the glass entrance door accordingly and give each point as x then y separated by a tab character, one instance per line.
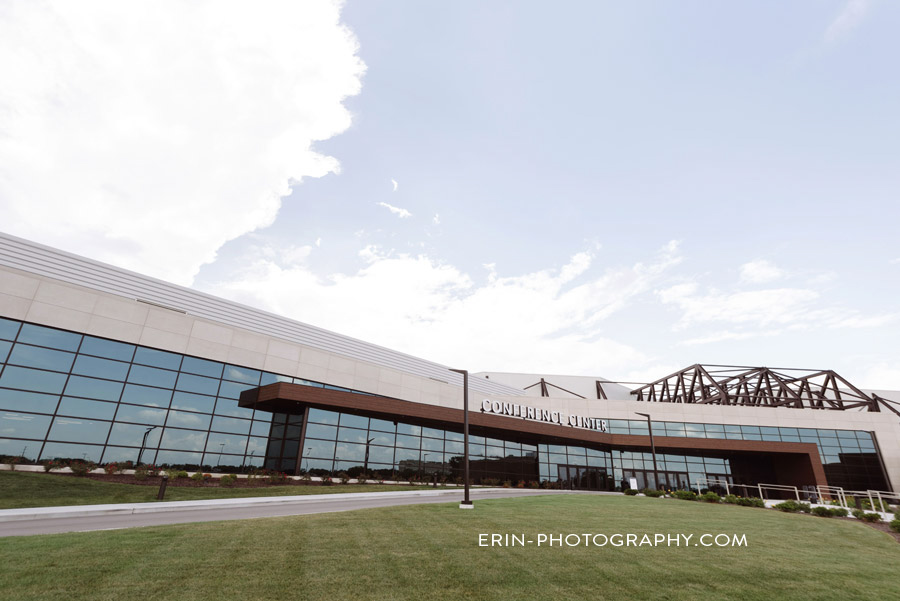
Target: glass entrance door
581	477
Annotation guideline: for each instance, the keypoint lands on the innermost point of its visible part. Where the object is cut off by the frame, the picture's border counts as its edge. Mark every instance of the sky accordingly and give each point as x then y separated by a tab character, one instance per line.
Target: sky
589	188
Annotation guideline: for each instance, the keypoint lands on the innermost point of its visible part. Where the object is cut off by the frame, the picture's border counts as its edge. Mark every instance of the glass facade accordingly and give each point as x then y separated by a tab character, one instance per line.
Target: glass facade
67	395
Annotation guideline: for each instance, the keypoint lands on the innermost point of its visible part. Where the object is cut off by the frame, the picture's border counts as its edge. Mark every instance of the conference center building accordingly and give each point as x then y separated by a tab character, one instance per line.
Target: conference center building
107	365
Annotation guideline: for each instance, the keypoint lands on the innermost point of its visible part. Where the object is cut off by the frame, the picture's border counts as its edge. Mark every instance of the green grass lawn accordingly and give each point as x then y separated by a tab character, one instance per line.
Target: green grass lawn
429	552
24	489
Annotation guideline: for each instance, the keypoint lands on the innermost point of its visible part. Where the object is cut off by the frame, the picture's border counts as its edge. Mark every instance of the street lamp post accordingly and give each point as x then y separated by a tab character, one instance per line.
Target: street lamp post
308	451
144	442
466	503
366	461
652	448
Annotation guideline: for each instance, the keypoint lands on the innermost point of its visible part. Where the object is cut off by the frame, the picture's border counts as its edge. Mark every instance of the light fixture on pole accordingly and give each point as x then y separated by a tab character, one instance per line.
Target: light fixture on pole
466	503
144	442
652	449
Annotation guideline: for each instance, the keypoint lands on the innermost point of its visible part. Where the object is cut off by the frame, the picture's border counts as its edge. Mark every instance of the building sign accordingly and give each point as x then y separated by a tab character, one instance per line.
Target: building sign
543	415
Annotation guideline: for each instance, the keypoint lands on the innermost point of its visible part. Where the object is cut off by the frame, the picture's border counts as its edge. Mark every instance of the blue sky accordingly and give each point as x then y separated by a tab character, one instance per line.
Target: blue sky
613	189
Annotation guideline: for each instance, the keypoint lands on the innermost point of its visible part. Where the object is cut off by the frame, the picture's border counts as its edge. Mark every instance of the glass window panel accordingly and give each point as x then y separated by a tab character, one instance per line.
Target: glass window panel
303	382
476	450
23	425
575	451
642	429
152	376
202	367
331	387
354	421
84	408
454	436
107	348
293	431
557	448
861	436
184	440
28	401
409	429
270	378
100	368
260	428
242	374
694	431
673	429
322	449
789	432
321	431
141	415
76	429
131	435
233	390
197	384
827	434
42	358
58	450
846	434
789	438
381	425
770	434
433	433
456	448
185	419
41	336
408	442
717	428
179	459
256	446
8	329
382	438
4	350
230	407
193	402
121	454
231	425
143	395
351	435
93	389
406	455
226	443
558	458
473	439
32	379
323	417
381	454
433	444
155	358
349	452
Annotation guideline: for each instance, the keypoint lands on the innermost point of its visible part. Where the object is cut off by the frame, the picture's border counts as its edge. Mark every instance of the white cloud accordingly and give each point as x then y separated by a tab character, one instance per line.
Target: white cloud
850	17
394	184
401	213
547	323
148	134
895	261
760	272
436	219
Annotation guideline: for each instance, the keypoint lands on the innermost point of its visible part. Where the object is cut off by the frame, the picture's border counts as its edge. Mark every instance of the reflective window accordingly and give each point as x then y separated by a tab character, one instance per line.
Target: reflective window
323	417
193	402
408	442
259	428
382	438
184	419
58	450
100	368
141	415
32	379
321	431
230	407
154	358
74	429
349	452
409	429
197	384
242	374
24	425
178	458
41	358
144	395
151	376
202	367
354	421
268	378
93	389
185	440
401	455
131	435
381	454
41	336
433	433
4	350
18	400
454	447
84	408
227	443
120	454
455	436
351	435
107	348
8	329
433	444
233	390
319	448
231	425
381	425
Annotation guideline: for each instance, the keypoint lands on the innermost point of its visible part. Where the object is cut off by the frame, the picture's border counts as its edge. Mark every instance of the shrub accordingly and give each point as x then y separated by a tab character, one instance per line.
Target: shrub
631	492
196	476
51	464
345	477
81	468
176	474
822	512
276	477
685	495
838	512
112	468
507	484
730	499
751	502
227	480
140	474
792	507
895	524
866	517
652	492
710	497
326	481
305	477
